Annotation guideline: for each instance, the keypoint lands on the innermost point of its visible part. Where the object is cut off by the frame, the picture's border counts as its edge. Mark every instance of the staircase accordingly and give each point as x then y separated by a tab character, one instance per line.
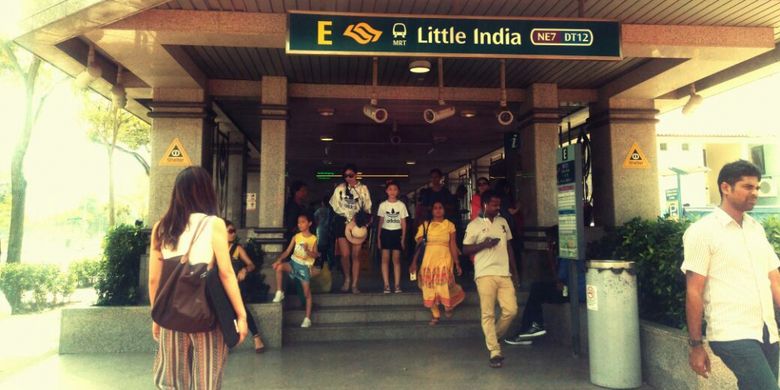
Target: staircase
378	316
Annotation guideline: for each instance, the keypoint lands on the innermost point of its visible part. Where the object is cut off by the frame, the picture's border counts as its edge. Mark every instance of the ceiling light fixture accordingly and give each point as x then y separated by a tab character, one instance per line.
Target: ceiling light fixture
375	113
694	101
468	113
326	138
91	73
504	116
444	111
326	111
411	162
420	66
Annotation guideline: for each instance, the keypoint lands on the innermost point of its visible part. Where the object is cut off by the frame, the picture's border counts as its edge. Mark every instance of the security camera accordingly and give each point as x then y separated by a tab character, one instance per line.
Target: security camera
505	117
432	116
377	114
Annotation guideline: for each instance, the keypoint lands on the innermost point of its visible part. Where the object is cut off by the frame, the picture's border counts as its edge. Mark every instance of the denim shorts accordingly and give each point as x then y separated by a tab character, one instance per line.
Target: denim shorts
300	271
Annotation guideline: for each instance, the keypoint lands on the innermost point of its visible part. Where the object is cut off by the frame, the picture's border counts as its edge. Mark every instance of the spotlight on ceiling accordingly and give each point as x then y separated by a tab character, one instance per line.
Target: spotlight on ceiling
374	112
410	163
694	101
326	111
420	66
326	138
377	114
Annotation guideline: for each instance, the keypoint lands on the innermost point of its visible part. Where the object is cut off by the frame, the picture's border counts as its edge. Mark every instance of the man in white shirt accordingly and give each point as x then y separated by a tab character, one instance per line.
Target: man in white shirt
733	281
495	272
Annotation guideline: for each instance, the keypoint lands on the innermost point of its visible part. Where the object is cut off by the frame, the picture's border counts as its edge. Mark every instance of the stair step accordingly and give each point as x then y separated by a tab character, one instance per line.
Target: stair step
372	314
377	299
411	330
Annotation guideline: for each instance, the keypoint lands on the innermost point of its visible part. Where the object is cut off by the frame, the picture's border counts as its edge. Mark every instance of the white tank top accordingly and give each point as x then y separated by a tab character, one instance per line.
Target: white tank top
202	250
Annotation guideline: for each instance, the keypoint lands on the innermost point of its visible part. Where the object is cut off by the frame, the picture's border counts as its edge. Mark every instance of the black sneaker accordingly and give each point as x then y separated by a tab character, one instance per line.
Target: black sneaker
517	340
534	331
497	361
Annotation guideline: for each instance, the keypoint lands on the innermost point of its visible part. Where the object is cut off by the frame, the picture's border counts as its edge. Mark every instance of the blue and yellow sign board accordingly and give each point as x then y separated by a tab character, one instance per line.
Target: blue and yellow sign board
410	36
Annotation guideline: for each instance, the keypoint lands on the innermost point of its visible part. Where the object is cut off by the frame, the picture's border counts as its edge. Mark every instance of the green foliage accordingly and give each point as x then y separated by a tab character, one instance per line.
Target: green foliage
656	247
34	287
118	282
772	228
86	272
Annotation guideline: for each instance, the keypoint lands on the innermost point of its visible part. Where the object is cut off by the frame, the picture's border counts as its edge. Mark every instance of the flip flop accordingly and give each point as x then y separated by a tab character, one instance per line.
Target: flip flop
434	321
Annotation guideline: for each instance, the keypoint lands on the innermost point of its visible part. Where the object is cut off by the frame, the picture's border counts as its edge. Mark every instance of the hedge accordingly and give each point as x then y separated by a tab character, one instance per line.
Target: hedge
35	287
656	247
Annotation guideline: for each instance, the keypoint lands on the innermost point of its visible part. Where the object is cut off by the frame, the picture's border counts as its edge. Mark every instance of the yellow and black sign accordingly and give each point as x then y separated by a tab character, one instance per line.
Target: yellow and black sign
636	158
176	155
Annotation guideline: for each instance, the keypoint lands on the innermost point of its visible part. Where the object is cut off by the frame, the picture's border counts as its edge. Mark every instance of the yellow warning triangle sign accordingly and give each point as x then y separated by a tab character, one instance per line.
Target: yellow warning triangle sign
176	155
636	158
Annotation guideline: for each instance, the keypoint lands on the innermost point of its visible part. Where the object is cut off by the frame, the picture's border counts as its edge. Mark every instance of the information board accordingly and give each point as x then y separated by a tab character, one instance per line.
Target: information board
571	237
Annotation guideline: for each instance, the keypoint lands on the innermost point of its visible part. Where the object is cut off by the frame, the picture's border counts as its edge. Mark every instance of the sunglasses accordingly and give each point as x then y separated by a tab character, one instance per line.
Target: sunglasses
349	175
231	230
482	184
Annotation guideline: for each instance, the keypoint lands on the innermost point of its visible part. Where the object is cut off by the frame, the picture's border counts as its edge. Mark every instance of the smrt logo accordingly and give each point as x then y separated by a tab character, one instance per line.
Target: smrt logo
362	33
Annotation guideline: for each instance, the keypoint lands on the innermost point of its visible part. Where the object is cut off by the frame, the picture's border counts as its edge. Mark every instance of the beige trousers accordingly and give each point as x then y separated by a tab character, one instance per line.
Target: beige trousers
492	289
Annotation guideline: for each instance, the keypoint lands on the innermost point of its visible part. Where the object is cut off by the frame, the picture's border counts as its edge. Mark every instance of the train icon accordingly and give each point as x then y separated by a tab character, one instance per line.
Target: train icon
399	30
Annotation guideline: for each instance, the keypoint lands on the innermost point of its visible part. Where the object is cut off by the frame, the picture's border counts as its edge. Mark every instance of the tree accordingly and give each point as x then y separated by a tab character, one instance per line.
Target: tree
109	126
29	74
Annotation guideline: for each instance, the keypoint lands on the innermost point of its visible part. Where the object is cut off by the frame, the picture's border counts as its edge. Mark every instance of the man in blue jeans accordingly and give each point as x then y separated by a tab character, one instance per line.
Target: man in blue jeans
732	280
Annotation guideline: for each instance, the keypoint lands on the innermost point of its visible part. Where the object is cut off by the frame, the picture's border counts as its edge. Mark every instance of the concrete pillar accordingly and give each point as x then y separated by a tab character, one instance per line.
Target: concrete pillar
183	114
252	186
273	138
620	193
236	178
538	124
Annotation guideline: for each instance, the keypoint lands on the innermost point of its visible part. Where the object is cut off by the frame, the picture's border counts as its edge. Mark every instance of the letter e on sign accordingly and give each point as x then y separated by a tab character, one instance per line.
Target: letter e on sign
323	32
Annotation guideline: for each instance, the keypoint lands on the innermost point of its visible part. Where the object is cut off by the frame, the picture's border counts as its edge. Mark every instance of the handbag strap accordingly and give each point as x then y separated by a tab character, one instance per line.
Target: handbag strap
198	230
425	231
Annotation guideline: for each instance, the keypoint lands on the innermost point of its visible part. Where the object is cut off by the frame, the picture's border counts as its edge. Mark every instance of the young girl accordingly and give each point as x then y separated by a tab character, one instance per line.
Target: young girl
243	265
303	247
391	238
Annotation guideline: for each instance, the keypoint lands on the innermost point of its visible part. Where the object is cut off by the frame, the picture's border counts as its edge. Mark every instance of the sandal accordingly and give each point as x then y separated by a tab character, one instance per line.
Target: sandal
261	348
355	290
345	286
434	321
387	290
449	313
398	289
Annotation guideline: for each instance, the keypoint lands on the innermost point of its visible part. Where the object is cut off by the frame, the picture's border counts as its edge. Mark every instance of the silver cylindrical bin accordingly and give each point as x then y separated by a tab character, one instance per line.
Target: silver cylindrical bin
613	324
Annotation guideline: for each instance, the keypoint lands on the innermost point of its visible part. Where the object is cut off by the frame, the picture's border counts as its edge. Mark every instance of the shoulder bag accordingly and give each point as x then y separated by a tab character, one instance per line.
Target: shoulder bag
181	303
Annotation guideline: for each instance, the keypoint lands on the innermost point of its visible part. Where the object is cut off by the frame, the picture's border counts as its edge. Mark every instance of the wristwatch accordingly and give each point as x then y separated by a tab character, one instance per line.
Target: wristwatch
695	343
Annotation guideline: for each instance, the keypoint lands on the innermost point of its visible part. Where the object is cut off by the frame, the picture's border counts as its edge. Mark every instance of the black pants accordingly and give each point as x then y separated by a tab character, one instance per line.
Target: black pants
250	320
541	292
753	363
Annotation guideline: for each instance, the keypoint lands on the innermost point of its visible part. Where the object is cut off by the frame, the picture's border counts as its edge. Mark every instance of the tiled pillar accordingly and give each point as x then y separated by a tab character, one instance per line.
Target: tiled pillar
538	124
273	138
182	114
621	193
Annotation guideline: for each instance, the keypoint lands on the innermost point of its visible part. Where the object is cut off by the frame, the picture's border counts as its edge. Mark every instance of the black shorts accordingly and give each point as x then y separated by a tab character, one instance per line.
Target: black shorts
391	239
339	224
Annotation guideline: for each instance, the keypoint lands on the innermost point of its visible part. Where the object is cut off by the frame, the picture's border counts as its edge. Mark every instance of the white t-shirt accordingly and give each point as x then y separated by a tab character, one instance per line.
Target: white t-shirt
202	249
392	214
493	261
736	261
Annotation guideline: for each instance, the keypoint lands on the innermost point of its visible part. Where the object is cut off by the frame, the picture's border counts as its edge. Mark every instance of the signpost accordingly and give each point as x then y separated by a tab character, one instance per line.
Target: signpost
571	229
452	36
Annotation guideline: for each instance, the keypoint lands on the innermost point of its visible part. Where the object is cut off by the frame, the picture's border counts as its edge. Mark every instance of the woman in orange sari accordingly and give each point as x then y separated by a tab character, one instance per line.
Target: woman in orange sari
436	277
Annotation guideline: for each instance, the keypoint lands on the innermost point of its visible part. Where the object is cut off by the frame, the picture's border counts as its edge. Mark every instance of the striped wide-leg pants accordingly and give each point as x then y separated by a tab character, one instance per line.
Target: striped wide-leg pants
190	360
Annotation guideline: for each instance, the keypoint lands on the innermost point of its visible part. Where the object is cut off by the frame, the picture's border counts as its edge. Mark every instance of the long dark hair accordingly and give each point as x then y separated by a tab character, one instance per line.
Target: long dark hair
193	192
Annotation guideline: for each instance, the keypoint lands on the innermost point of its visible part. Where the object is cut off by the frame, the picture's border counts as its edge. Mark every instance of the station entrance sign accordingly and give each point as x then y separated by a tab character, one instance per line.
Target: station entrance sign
452	36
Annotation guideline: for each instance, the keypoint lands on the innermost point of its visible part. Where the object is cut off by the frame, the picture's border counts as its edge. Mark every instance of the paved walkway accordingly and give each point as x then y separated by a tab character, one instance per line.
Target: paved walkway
456	364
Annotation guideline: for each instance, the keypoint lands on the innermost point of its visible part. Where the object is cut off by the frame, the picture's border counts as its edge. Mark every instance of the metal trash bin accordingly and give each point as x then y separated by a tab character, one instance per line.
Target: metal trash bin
613	324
